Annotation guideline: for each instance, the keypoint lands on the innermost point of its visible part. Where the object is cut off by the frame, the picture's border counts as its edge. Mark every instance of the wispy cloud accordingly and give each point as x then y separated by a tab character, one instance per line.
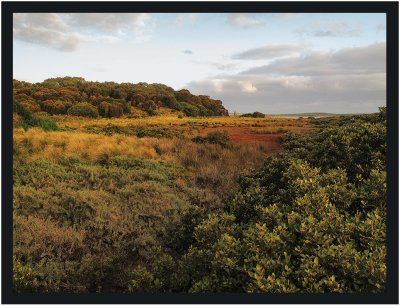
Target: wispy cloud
269	51
187	51
361	60
330	29
186	18
227	66
243	20
118	24
286	15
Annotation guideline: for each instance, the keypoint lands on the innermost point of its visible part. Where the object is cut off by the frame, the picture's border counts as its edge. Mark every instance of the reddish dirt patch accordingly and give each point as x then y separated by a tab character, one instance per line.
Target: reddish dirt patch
271	140
247	135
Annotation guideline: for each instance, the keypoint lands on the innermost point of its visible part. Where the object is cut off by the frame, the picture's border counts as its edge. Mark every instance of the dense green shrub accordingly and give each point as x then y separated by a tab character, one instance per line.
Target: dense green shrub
254	115
219	137
148	106
31	106
307	221
83	109
56	96
23	277
78	225
138	131
189	109
29	120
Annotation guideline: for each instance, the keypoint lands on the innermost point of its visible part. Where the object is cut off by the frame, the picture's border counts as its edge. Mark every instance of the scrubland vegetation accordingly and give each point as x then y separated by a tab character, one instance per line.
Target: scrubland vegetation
218	204
76	96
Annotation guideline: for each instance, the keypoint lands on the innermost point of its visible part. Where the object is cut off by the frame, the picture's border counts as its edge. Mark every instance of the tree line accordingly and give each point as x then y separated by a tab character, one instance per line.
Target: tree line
76	96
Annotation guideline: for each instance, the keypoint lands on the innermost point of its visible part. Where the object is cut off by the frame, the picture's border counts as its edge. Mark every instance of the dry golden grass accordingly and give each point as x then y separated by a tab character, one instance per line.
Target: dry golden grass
173	120
210	165
91	147
207	165
243	130
76	217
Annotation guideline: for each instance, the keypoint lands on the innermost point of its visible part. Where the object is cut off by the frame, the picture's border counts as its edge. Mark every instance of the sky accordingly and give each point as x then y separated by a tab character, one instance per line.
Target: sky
269	62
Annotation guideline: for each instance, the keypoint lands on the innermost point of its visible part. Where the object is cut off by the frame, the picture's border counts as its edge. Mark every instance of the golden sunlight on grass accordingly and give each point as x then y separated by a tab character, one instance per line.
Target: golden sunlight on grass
172	120
91	147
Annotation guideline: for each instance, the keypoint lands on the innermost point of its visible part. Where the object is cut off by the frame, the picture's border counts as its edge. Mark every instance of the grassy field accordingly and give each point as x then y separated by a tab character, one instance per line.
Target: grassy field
83	185
163	138
162	203
241	130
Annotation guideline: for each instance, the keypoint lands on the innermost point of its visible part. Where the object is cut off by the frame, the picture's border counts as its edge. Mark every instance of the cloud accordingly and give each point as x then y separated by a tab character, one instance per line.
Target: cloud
251	20
67	31
243	20
220	66
291	94
45	29
112	23
218	84
330	29
47	20
269	51
189	52
186	18
351	80
247	87
360	60
223	66
285	15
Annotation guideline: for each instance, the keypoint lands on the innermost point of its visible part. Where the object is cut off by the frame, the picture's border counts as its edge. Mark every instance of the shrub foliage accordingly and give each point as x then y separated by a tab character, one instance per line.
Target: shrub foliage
29	120
101	218
83	109
66	95
308	221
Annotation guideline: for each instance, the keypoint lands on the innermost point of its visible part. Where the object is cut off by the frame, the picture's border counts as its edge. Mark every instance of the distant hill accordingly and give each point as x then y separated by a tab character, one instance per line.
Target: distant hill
76	96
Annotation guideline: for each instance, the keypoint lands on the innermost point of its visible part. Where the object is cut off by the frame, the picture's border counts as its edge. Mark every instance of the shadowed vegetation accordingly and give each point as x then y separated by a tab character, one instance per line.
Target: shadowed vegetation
168	204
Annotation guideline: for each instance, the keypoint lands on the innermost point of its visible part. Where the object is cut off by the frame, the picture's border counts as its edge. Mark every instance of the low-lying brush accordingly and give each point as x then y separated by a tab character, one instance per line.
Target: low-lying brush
28	120
124	205
307	221
138	131
221	138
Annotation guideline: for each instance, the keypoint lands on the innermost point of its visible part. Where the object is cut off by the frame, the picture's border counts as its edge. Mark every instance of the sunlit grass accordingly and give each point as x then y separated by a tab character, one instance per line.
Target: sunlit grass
78	122
91	147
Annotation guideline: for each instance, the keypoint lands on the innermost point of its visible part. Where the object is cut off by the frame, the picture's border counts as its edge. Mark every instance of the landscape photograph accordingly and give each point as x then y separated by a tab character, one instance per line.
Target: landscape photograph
199	153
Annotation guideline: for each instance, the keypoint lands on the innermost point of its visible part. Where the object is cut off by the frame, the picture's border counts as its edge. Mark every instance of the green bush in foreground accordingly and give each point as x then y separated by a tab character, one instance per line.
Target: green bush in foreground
306	222
23	278
311	219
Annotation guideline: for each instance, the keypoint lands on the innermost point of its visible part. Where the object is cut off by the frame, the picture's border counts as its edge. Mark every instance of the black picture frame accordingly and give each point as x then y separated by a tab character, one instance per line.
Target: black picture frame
390	296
